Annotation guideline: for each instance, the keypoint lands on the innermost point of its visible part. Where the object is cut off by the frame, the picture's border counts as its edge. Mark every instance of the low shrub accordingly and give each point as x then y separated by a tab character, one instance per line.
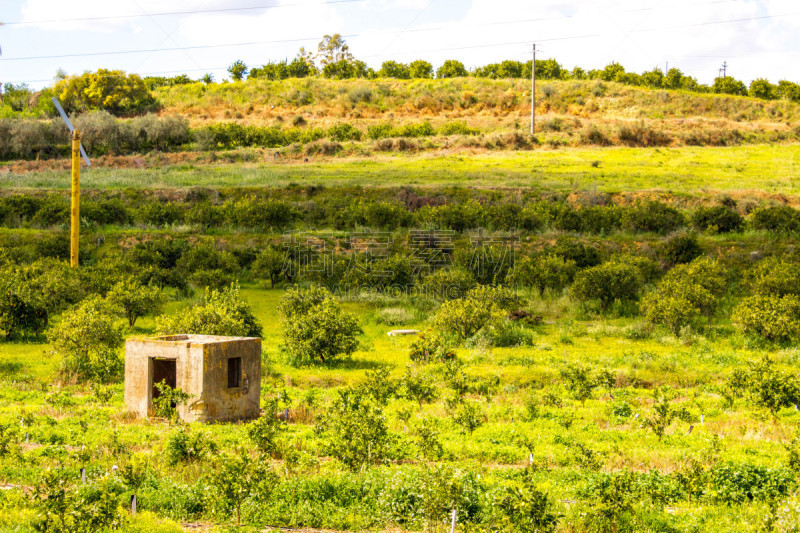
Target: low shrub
773	317
685	294
429	348
737	483
780	219
717	219
641	134
653	217
186	445
447	284
543	272
681	248
315	326
457	128
774	277
395	316
89	338
344	132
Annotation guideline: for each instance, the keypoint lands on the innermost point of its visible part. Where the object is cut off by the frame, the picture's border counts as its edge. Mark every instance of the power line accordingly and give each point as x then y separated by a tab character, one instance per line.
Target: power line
548	19
172	13
486	45
174	49
279	6
715	22
254	43
491	45
179	71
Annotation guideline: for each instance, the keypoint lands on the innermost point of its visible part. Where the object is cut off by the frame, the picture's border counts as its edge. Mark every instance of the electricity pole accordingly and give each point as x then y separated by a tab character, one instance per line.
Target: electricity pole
75	211
724	69
533	91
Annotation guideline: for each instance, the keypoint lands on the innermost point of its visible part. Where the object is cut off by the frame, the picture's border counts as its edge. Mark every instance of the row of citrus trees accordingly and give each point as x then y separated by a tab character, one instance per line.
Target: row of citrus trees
342	212
765	299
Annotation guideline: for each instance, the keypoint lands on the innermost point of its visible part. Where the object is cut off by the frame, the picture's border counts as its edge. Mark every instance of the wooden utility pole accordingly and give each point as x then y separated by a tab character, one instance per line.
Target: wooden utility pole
75	213
533	91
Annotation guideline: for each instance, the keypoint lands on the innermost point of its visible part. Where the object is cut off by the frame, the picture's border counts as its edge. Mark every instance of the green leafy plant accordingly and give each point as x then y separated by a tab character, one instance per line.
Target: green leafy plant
69	508
685	294
238	70
30	294
426	433
135	298
429	347
468	416
186	445
693	476
768	387
612	499
663	413
325	331
464	318
168	400
238	477
354	430
582	380
265	430
607	283
774	318
527	509
270	264
111	90
544	272
380	385
418	386
88	338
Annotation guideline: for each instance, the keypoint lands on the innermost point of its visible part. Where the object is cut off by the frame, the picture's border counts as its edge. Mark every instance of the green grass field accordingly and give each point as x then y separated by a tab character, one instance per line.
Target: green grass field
60	423
763	169
531	430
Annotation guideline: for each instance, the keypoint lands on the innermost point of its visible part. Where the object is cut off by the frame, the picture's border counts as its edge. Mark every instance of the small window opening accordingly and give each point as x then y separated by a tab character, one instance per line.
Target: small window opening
234	372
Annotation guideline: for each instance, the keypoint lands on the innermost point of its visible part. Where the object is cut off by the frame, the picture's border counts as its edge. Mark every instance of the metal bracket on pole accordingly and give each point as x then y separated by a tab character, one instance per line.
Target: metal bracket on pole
71	128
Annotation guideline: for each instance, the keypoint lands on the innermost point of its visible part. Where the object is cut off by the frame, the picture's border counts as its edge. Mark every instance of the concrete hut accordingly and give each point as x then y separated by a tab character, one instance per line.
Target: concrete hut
221	375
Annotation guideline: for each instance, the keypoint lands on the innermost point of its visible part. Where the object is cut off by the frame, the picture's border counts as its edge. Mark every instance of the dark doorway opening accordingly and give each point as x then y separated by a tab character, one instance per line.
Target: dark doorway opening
164	370
234	372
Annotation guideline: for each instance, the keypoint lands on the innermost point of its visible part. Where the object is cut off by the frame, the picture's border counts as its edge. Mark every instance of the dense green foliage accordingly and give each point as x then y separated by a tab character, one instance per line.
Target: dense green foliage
315	326
110	90
221	313
89	338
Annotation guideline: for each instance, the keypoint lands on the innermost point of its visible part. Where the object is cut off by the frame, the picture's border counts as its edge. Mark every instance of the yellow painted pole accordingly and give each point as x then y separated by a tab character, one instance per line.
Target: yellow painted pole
75	215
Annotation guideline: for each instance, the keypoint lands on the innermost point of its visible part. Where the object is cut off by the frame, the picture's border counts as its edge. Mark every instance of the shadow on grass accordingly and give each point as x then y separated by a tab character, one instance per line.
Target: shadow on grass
351	364
23	339
10	368
357	364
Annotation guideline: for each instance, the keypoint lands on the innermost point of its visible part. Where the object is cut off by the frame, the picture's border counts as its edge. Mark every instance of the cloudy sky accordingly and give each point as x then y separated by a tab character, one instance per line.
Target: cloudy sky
757	38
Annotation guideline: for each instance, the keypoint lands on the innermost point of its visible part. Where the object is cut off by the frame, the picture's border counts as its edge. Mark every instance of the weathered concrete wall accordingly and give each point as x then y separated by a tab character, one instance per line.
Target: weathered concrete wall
139	354
201	372
218	402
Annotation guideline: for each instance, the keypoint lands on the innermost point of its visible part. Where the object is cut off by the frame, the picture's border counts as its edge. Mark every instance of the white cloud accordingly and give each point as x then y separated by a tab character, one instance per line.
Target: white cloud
593	33
641	34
